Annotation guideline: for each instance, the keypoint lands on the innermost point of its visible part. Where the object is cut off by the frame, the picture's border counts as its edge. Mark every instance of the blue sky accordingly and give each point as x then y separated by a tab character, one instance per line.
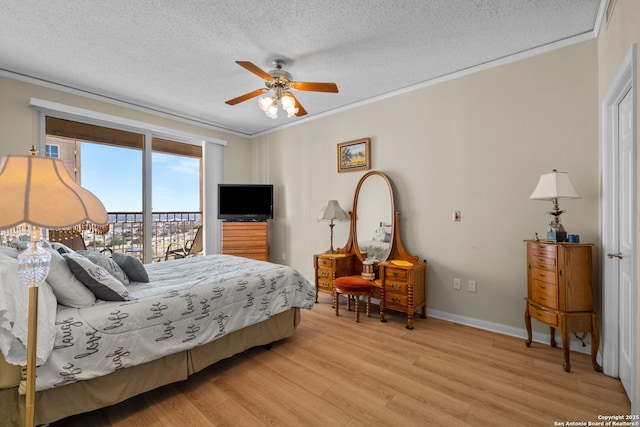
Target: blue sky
114	175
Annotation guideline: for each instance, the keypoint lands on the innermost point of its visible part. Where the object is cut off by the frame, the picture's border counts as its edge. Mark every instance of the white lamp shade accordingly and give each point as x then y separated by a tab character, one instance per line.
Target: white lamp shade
39	191
554	185
333	211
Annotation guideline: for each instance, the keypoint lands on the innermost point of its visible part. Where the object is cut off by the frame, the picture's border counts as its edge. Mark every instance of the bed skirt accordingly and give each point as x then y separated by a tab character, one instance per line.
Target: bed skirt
84	396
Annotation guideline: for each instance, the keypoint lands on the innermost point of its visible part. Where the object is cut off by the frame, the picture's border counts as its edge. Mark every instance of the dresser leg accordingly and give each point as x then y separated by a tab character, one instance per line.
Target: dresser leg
527	324
595	344
552	334
382	319
566	345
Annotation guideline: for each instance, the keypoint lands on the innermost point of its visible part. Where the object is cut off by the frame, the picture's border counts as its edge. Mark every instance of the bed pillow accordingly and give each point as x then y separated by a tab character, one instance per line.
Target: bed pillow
14	303
107	263
381	235
68	290
7	250
103	285
63	249
132	267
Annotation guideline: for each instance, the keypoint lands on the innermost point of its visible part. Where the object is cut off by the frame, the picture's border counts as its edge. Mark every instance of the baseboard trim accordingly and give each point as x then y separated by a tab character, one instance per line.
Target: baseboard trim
538	337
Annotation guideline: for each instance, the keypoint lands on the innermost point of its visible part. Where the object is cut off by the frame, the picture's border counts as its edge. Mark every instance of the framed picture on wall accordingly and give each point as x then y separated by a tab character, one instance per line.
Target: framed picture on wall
354	155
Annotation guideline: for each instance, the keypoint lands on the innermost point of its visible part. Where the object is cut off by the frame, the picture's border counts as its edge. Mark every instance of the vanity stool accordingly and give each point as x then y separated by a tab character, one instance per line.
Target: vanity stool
352	286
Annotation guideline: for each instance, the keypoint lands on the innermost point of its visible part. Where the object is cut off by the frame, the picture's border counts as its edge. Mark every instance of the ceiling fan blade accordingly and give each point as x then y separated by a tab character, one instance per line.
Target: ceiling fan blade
255	70
246	96
314	86
301	111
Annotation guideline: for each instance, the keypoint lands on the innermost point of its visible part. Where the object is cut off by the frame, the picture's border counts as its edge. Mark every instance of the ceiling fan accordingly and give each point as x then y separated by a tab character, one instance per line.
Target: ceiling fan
281	83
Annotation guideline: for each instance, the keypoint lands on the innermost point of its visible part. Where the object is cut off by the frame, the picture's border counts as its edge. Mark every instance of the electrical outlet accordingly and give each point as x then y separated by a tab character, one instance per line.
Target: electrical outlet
456	284
472	285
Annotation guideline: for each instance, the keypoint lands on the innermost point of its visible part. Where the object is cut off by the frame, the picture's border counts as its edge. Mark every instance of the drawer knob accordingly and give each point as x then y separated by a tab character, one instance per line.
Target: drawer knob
395	286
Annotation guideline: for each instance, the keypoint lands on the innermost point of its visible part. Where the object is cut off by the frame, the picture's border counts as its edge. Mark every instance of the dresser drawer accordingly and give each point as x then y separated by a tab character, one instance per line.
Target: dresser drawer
543	263
325	284
395	301
544	276
544	316
395	274
394	287
325	273
544	251
326	263
545	293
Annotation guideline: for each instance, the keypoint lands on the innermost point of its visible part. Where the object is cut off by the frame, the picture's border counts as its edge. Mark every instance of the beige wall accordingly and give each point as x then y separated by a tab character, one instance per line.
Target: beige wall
615	40
477	144
19	123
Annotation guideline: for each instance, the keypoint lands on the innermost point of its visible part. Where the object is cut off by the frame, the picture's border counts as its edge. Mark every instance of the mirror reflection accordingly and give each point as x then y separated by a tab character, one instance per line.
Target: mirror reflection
374	217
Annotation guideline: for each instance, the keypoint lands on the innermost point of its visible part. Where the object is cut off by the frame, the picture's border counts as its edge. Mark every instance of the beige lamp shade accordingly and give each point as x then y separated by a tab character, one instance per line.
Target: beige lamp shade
39	191
333	211
554	185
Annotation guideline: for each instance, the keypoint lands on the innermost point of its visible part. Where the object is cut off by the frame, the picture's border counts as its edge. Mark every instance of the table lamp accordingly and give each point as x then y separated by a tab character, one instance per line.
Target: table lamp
333	212
553	186
39	192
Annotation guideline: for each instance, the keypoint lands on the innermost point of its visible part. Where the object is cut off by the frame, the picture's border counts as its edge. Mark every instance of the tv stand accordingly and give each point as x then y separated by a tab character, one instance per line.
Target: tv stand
247	239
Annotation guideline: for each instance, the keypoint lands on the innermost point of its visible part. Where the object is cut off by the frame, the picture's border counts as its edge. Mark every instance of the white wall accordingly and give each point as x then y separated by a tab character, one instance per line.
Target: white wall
476	144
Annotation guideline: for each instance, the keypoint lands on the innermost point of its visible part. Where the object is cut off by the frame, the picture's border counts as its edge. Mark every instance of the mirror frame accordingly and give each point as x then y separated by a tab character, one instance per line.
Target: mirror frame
396	250
354	218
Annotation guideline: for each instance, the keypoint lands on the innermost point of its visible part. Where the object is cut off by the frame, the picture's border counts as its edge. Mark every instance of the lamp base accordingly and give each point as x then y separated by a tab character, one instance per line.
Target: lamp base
557	236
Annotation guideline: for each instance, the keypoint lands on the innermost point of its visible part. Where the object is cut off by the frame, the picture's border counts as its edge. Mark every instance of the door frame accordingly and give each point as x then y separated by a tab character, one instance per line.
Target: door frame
624	81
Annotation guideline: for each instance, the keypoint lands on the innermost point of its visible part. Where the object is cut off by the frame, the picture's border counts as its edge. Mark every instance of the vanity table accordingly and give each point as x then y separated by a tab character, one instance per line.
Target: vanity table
400	279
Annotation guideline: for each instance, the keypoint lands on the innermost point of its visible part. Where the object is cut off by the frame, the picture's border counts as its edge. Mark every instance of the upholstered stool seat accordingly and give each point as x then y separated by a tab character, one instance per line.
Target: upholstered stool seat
352	286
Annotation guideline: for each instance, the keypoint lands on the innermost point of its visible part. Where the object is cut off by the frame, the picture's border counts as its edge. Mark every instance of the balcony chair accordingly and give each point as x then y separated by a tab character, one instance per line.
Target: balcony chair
190	248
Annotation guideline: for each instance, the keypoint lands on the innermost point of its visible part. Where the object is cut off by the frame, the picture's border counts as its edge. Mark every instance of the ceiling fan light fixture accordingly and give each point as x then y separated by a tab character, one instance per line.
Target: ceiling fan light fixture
289	105
265	102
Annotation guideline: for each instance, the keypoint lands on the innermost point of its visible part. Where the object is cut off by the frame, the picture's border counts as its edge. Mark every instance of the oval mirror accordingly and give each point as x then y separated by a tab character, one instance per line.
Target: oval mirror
373	205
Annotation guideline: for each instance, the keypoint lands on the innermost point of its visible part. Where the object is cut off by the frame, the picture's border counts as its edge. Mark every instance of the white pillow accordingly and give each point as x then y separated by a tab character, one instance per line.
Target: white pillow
103	285
14	314
107	263
7	250
67	288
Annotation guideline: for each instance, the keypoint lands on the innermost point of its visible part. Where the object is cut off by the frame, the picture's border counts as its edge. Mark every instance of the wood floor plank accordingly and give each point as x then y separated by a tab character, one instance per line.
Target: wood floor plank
336	372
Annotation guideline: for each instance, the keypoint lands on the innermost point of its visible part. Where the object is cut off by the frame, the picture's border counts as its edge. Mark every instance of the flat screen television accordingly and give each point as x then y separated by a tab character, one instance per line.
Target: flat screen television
245	202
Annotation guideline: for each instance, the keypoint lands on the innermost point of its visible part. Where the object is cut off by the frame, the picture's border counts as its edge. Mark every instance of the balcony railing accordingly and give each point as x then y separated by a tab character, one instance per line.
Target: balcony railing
126	232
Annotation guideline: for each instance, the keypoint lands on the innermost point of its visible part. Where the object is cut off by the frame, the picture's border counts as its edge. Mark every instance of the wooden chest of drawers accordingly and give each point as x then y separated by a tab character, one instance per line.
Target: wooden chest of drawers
245	239
330	266
560	294
403	289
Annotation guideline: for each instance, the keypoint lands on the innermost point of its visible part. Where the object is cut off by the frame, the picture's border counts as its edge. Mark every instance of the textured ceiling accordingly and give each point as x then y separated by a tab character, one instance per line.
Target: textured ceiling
178	56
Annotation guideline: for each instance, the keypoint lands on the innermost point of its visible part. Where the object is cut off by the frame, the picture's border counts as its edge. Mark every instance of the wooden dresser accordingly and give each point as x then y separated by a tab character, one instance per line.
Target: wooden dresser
245	239
403	288
560	293
330	266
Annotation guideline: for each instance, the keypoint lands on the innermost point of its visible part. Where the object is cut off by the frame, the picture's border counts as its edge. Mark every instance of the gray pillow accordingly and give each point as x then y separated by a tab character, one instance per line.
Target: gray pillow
132	266
103	285
107	263
68	290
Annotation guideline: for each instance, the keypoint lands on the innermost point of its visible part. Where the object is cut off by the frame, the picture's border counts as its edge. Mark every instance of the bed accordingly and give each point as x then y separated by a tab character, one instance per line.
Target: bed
189	314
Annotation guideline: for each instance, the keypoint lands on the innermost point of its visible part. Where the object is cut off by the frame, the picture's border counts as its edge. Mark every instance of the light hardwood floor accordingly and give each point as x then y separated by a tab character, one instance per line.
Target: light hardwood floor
335	372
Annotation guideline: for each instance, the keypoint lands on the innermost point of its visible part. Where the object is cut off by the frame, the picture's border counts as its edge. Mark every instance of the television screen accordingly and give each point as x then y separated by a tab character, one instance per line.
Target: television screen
245	202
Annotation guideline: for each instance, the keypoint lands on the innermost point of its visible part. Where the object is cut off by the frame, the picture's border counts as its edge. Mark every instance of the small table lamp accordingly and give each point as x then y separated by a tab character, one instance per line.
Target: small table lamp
40	192
333	212
553	186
